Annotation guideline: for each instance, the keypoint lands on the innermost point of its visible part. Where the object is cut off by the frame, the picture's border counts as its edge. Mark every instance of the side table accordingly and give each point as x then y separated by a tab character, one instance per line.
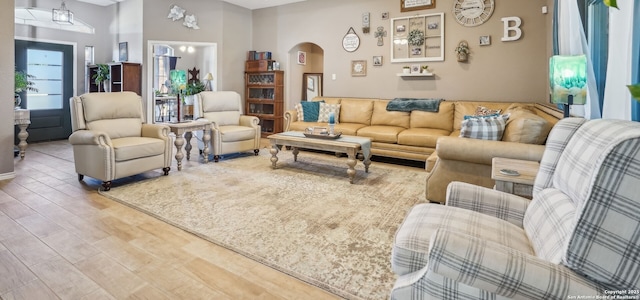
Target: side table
522	184
186	129
22	118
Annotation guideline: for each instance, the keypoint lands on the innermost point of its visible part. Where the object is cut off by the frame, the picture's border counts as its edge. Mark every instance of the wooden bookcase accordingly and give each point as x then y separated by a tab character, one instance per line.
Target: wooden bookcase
264	96
124	77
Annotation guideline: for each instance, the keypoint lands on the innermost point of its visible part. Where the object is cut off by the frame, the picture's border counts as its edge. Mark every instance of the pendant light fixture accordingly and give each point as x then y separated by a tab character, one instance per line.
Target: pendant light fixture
62	15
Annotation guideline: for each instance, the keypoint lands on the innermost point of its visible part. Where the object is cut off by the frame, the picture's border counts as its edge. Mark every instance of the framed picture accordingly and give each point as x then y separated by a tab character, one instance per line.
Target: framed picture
485	40
415	69
411	5
124	51
310	83
417	38
377	61
358	68
302	58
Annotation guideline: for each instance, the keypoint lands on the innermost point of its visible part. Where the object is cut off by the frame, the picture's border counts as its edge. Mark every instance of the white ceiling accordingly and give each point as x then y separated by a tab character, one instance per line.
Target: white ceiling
250	4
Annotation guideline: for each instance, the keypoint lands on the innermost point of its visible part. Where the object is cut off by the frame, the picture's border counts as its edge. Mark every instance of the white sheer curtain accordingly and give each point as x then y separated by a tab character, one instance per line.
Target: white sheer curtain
572	41
617	99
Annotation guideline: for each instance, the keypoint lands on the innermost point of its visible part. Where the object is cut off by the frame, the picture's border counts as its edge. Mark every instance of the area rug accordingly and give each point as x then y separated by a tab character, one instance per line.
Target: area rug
303	218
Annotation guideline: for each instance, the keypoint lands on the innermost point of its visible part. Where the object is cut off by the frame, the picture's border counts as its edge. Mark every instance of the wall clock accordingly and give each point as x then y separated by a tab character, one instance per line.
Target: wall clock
472	12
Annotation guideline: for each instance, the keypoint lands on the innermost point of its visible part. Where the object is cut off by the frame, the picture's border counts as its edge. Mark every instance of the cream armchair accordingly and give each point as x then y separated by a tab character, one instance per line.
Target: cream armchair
231	131
110	140
577	237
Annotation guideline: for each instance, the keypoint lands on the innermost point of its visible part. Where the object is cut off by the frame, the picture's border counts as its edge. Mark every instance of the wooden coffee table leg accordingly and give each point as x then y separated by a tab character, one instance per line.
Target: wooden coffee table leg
274	153
295	153
351	162
366	161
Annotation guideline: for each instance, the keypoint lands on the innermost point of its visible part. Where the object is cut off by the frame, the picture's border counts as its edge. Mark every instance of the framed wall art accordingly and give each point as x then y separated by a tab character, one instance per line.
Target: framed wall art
302	58
411	5
358	68
417	38
377	61
123	51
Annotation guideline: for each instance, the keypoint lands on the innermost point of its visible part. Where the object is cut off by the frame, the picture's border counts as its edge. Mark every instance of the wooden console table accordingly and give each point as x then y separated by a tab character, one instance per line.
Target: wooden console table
22	118
186	129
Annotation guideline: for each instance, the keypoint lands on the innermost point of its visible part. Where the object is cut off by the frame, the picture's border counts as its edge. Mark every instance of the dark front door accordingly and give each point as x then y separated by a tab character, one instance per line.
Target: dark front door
51	66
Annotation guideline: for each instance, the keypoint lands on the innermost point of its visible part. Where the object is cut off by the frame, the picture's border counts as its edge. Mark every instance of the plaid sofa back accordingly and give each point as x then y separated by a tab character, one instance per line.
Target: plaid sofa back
605	244
558	138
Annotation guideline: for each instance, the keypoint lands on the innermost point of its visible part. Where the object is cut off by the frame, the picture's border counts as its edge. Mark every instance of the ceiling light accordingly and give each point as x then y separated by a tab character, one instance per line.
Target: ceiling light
62	15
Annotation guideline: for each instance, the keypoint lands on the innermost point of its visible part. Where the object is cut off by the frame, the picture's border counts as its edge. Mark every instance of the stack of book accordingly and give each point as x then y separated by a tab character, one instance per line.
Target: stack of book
258	55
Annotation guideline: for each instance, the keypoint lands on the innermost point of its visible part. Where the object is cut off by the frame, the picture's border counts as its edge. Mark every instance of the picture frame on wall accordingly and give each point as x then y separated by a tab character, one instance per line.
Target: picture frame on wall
123	51
417	38
302	58
358	68
485	40
412	5
377	61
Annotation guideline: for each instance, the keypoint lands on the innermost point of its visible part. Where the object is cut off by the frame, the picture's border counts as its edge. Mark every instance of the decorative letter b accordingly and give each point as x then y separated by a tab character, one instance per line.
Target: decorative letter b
517	32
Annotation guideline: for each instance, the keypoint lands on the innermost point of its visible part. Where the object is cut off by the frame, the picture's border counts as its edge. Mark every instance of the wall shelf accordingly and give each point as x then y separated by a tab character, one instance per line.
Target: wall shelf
416	75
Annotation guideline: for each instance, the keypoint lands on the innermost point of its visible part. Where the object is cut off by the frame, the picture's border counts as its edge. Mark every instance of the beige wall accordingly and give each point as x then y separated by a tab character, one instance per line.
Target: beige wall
6	89
503	71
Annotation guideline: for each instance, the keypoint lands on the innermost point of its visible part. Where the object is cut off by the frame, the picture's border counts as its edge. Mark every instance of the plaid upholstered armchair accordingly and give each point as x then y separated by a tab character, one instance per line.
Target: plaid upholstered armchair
578	236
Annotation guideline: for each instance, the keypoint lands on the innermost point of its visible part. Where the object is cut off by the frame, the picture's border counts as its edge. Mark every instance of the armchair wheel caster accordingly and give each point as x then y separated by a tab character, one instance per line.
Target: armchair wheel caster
80	177
166	170
256	152
106	185
216	158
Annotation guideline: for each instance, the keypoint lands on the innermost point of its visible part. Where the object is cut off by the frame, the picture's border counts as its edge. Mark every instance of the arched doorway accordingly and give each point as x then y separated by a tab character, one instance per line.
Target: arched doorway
313	63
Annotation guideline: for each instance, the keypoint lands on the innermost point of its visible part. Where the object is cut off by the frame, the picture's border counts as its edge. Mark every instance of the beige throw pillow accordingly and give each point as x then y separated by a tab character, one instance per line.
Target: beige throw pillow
526	127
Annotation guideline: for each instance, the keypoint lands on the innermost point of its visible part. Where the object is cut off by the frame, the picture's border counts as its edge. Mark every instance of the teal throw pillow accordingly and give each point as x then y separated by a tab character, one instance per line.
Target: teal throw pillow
310	109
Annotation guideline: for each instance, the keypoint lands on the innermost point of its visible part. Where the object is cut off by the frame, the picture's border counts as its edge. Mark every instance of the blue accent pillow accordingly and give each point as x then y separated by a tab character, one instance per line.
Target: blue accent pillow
311	110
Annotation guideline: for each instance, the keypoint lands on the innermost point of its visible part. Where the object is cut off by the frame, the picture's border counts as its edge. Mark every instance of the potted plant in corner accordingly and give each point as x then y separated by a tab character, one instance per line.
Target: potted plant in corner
188	96
22	83
101	76
406	70
463	51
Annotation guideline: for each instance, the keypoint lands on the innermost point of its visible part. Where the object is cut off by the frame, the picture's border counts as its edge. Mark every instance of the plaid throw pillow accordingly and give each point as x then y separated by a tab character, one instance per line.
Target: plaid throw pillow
325	109
484	128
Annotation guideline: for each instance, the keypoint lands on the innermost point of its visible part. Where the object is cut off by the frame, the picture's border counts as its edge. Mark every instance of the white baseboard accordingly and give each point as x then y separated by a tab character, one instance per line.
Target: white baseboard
5	176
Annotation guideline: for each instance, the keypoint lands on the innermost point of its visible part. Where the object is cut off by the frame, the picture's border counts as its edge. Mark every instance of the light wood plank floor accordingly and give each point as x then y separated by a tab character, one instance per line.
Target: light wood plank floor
59	239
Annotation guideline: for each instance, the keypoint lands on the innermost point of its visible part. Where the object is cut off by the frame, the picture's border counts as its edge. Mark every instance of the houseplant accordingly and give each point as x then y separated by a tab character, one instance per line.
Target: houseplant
406	69
188	96
462	50
101	76
22	83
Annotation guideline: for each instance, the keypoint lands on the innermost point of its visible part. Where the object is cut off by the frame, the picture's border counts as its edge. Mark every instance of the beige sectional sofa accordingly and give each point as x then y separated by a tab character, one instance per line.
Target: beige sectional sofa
417	135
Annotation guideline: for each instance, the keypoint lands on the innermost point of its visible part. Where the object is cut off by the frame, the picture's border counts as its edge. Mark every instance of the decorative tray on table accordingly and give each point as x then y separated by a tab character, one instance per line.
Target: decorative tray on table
321	133
324	136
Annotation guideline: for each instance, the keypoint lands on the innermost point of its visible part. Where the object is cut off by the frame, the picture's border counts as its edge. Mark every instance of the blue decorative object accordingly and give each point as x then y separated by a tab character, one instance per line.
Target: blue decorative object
410	104
332	118
311	110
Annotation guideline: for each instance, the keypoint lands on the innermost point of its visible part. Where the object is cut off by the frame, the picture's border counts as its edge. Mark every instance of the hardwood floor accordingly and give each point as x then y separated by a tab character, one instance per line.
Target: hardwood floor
59	239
